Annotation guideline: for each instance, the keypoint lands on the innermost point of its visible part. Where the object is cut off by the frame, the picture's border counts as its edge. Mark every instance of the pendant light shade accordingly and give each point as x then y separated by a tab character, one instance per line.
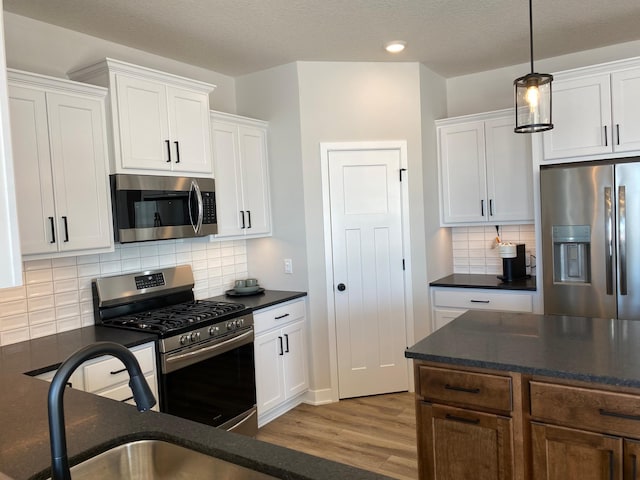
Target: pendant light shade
533	96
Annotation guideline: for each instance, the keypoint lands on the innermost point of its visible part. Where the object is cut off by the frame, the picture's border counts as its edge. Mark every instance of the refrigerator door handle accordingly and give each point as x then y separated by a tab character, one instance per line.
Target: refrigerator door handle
608	232
622	236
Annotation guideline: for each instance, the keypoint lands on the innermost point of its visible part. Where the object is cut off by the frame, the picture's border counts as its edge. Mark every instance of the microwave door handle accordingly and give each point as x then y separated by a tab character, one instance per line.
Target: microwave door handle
196	188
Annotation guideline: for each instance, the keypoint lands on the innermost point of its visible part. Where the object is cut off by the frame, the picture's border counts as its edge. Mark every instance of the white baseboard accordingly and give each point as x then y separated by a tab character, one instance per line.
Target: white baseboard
319	397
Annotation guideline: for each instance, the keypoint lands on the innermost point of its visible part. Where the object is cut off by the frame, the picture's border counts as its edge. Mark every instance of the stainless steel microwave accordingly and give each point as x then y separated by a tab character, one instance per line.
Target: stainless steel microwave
149	207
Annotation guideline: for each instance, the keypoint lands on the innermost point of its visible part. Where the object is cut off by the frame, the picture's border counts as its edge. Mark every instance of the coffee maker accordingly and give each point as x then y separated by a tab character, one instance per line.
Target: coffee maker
514	266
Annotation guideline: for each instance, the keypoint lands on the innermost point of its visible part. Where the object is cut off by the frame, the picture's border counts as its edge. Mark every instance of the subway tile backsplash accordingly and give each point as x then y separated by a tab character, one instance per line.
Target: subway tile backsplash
474	252
56	295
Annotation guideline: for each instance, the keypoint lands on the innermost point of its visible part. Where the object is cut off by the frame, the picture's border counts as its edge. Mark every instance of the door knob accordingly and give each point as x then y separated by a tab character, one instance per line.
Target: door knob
341	287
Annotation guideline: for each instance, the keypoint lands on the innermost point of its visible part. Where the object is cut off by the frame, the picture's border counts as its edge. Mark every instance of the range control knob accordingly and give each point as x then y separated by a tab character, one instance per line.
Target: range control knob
214	330
183	339
240	322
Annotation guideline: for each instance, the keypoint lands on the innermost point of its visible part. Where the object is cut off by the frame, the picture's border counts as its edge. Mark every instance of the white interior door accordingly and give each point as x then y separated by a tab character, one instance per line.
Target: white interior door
366	222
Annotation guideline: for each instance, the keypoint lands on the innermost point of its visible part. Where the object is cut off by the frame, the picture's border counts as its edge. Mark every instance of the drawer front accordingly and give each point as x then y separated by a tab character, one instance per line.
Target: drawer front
474	390
482	300
267	319
122	393
109	371
588	409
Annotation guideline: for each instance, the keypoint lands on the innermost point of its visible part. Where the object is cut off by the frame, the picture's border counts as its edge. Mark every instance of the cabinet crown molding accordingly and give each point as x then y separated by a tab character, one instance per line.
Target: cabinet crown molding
476	117
112	66
608	67
45	82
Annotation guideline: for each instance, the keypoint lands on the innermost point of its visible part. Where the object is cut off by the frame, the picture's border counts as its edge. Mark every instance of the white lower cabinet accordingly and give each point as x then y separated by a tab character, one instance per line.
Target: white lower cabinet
106	376
450	303
281	358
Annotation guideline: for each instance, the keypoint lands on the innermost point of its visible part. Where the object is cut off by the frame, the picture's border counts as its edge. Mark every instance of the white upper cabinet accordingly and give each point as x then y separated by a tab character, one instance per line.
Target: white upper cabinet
596	113
485	170
59	140
160	121
241	171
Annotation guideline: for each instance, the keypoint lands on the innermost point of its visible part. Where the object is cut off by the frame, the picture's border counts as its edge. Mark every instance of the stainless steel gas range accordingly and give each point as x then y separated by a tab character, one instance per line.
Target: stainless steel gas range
205	348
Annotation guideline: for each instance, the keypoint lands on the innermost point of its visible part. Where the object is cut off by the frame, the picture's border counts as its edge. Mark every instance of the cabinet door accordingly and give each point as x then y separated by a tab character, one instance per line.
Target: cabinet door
625	91
189	131
509	172
631	459
143	124
462	173
269	350
255	179
581	118
563	453
442	316
229	206
296	376
78	154
32	166
463	444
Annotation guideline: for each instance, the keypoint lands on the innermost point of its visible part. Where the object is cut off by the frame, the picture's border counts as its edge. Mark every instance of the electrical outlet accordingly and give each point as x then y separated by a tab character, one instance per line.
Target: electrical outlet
288	265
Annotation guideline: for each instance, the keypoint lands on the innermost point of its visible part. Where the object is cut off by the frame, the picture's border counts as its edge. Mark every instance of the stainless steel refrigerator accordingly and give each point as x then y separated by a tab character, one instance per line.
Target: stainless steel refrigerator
591	238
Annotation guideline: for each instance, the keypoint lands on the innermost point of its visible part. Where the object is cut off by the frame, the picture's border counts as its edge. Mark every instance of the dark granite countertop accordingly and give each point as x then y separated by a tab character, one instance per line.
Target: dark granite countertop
576	348
265	299
94	423
463	280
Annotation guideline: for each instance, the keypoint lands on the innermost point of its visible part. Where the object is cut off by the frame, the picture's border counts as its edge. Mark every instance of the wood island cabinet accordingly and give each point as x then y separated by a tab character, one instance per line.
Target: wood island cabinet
497	425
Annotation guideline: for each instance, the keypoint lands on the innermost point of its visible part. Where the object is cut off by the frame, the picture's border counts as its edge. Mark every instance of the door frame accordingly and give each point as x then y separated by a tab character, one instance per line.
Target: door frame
325	149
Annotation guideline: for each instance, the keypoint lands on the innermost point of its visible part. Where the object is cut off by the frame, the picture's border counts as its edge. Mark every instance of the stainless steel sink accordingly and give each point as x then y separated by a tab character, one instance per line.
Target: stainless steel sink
155	459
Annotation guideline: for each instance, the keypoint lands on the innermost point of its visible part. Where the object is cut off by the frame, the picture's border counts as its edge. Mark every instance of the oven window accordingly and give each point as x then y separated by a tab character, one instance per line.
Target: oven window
214	390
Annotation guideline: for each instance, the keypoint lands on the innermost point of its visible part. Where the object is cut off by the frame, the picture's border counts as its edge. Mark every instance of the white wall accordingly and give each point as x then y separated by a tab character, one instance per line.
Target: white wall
493	89
354	102
10	264
272	95
437	240
51	50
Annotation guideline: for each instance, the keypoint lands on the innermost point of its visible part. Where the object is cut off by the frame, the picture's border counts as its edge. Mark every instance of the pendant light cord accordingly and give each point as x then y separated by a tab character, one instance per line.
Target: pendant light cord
531	33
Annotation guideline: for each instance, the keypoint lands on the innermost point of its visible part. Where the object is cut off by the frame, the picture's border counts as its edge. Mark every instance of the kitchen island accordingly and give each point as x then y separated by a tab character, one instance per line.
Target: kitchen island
511	395
94	423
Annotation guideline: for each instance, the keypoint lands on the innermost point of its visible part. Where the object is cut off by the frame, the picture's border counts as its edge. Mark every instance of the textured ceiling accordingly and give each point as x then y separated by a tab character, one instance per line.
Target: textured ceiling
452	37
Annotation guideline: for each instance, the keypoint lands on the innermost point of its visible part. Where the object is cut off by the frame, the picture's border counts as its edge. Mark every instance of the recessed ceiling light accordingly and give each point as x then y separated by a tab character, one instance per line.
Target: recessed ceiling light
395	47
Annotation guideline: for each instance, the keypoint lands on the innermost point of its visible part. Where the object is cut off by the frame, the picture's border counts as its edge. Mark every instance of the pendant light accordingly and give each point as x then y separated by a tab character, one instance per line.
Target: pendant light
533	96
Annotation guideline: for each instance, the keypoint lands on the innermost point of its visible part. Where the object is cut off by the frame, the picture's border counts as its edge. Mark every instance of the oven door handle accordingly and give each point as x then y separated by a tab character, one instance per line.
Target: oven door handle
175	362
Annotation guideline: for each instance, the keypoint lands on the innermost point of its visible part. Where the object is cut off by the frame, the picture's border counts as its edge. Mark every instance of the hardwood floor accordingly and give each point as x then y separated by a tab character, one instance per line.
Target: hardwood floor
376	433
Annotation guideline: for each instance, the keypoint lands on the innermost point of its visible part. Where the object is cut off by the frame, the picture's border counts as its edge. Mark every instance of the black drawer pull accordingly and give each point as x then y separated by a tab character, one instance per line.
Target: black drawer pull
127	399
243	224
473	421
249	217
66	229
168	143
461	389
626	416
281	316
116	372
177	152
480	301
286	338
281	346
53	231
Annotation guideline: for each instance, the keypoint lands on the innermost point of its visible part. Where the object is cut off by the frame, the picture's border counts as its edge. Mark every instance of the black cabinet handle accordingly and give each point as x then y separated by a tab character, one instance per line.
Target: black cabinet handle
53	230
341	287
177	152
480	301
281	347
242	213
626	416
168	150
473	421
491	207
66	229
249	218
116	372
461	389
482	208
618	133
281	316
286	337
606	140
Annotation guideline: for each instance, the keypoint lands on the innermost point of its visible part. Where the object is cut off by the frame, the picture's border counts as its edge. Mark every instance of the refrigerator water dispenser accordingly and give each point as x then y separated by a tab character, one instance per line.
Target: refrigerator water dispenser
571	253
